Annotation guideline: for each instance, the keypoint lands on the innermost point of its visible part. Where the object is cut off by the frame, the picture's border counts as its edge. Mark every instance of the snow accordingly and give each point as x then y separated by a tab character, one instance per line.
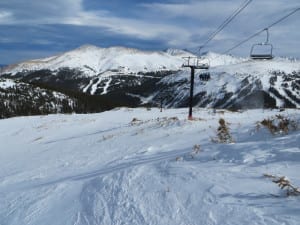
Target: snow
106	86
179	52
228	73
139	166
260	67
216	59
93	60
6	83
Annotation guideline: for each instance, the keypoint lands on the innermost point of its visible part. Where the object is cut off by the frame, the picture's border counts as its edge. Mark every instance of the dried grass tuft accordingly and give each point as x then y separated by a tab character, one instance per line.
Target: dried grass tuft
284	183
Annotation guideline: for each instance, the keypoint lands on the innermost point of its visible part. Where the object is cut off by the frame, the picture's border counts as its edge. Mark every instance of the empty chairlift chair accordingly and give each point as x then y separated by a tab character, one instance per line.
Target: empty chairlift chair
262	51
202	63
196	62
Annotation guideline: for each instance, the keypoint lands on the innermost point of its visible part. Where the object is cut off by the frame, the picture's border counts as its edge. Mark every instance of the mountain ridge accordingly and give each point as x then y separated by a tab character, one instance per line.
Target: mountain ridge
103	59
134	77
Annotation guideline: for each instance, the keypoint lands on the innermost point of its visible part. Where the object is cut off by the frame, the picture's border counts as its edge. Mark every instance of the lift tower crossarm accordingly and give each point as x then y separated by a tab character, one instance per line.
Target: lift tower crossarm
195	62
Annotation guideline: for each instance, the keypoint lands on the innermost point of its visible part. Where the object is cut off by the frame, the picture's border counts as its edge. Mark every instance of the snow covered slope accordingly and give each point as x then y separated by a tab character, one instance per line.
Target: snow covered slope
135	166
93	60
17	98
238	83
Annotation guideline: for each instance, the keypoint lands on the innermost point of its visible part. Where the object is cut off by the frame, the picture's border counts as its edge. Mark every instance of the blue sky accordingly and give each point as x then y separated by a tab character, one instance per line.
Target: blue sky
38	28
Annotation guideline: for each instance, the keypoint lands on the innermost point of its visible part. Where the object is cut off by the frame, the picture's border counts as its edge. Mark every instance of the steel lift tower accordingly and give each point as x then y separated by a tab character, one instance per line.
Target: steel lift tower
193	63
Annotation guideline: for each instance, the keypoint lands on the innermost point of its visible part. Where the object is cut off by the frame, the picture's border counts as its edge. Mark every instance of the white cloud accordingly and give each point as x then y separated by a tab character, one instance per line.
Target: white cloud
5	16
201	10
125	26
208	15
71	12
182	25
40	12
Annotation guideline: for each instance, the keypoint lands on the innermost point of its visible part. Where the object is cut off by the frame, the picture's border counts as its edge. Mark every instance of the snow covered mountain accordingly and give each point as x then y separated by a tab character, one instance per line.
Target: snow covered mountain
92	60
135	166
149	77
238	83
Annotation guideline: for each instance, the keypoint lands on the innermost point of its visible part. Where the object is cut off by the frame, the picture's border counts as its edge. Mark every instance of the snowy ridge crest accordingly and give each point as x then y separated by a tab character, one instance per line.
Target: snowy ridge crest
101	60
148	75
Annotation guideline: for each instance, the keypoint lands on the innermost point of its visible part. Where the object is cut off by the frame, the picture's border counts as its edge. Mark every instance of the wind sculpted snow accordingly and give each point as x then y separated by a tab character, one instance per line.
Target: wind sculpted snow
143	166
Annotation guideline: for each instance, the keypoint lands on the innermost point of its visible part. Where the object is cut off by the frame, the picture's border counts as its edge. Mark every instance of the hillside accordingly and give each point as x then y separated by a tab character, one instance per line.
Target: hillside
24	99
139	166
21	99
238	84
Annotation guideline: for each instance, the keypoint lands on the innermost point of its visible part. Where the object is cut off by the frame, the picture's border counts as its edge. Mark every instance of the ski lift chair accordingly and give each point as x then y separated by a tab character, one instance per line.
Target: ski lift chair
202	64
195	62
259	55
267	53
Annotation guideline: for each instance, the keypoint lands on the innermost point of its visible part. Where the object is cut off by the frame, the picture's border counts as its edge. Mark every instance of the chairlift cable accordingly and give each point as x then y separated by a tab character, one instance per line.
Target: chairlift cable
283	18
244	41
226	22
259	32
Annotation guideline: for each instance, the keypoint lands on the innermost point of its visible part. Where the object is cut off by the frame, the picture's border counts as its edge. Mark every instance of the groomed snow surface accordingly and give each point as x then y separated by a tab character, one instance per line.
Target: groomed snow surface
138	166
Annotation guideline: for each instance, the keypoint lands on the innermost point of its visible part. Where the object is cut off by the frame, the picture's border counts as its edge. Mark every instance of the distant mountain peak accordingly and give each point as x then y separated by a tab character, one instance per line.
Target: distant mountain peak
86	47
89	47
178	52
99	60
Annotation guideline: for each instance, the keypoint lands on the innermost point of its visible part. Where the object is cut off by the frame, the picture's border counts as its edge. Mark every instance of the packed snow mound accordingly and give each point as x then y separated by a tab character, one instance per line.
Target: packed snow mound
141	166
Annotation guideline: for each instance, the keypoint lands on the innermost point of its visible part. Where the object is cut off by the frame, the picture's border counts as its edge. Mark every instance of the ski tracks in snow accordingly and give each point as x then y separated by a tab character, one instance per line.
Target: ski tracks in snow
105	200
146	184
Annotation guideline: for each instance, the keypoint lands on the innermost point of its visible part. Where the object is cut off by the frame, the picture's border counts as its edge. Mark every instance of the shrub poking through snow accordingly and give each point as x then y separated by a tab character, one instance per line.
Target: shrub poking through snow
196	150
284	183
223	135
167	121
136	121
279	124
179	158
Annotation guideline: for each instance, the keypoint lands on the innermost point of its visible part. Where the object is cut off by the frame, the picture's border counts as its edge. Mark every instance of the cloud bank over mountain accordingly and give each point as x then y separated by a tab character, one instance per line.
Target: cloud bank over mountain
35	28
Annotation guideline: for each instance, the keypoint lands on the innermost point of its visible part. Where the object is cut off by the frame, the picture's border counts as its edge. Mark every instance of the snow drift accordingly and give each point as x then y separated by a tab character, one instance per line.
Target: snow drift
139	166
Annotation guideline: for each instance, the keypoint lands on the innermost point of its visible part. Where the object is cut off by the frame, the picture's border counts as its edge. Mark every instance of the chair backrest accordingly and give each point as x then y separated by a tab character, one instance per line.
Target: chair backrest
196	62
203	63
262	51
